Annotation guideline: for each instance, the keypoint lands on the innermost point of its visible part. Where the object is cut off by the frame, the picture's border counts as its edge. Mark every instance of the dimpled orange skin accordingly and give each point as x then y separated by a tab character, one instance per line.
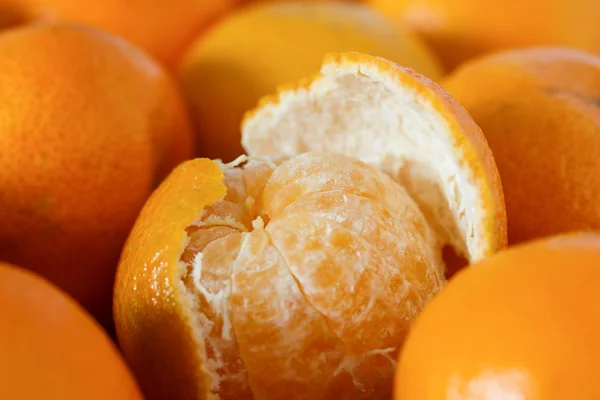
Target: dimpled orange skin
91	125
540	112
523	324
228	70
461	29
51	349
162	28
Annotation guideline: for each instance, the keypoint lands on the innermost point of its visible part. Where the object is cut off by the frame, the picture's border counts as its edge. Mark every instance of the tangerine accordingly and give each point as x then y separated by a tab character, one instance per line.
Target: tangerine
142	22
90	125
51	348
459	30
522	324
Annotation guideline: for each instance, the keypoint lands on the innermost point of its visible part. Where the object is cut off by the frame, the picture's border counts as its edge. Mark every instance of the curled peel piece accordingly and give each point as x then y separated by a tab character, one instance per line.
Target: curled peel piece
152	309
295	274
402	123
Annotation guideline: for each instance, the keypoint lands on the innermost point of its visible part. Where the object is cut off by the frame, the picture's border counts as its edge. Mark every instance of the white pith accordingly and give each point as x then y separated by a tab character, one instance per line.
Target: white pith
354	112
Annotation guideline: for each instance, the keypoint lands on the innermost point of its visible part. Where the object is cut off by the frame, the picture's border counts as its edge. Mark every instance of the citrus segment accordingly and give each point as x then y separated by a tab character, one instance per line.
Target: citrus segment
209	278
279	331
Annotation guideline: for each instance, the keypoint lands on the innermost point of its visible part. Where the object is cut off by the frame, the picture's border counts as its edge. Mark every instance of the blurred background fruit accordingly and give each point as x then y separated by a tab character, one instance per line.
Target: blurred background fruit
540	112
523	324
461	29
88	126
51	349
252	51
162	28
9	15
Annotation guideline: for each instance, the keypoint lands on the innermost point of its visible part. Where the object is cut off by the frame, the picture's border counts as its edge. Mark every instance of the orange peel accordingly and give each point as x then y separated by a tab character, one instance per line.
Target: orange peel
153	330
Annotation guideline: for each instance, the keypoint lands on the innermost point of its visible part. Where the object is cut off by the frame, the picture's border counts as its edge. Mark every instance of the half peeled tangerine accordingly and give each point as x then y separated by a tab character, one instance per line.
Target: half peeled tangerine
294	272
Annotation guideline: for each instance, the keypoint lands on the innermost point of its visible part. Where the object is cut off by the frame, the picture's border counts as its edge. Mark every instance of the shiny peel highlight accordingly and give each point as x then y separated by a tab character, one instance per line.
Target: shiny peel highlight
306	277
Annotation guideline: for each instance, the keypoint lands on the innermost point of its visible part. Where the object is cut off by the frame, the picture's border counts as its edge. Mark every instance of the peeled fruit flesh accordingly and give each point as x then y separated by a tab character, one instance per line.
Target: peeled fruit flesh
273	274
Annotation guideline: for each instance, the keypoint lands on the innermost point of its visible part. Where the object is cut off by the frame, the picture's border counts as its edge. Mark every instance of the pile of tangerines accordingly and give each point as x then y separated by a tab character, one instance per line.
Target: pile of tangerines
246	199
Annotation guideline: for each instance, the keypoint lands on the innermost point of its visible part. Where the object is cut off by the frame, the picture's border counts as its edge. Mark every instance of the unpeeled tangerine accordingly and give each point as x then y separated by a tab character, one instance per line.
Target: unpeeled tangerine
307	275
